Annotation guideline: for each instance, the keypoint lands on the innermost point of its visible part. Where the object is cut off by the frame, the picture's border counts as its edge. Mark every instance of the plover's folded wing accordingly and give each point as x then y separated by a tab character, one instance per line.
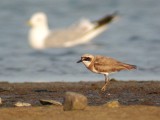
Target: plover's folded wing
107	64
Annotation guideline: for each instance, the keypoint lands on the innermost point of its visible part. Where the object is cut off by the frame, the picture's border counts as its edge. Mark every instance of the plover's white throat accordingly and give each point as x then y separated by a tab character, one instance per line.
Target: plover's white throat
41	37
104	65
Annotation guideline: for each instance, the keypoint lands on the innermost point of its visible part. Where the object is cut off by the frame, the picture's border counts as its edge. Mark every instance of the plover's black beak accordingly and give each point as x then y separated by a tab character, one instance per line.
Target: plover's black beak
79	61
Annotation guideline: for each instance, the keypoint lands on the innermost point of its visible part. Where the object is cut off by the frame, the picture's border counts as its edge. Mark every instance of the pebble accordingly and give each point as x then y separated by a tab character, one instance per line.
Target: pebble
50	102
22	104
74	101
112	104
0	101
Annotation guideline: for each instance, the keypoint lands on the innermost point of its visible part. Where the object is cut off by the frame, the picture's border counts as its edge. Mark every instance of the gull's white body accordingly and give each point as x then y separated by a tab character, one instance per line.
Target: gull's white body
37	37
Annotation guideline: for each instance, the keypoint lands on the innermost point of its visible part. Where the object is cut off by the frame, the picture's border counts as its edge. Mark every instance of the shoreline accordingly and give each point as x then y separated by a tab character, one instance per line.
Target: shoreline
138	100
127	92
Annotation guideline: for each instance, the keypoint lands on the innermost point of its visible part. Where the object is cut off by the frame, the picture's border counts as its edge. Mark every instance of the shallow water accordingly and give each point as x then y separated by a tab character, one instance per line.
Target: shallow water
134	39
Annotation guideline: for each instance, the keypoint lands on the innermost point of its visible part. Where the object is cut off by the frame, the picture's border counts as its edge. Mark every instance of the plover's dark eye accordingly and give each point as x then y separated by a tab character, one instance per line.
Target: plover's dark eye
87	59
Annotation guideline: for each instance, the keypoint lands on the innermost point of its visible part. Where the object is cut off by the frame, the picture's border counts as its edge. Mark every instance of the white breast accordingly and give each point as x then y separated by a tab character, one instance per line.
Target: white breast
37	37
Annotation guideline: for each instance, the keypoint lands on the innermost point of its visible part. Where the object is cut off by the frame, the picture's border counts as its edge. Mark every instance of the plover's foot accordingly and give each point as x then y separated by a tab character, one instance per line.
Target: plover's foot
104	88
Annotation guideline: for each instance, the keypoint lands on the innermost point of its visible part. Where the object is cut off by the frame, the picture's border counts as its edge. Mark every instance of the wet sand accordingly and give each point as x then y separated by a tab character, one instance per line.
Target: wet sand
138	99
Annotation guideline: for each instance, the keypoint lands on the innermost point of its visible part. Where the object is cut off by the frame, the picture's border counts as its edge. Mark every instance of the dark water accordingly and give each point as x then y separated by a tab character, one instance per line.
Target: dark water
134	38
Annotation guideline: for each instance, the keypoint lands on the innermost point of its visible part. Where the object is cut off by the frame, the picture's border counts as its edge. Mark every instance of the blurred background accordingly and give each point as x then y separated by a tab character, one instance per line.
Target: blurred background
134	39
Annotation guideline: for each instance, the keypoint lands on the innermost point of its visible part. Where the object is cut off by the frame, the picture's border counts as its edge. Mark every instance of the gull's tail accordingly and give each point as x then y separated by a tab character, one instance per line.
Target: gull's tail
106	20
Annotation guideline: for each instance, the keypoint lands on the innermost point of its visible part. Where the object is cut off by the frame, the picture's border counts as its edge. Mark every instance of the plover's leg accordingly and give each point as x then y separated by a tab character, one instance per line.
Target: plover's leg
106	82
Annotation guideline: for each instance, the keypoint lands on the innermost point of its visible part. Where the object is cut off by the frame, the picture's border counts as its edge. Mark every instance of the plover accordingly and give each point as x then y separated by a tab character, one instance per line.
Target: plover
104	65
41	37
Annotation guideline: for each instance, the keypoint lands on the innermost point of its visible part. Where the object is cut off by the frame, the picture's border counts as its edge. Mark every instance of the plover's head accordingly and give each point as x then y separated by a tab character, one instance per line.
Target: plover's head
38	20
86	59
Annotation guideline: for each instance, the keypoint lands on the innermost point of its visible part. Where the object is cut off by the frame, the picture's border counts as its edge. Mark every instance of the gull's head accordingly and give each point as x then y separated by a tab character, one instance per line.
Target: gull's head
86	59
38	19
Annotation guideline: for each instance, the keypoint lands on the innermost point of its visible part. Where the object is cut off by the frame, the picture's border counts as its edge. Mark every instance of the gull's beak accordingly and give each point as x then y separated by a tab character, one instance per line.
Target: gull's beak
29	23
79	61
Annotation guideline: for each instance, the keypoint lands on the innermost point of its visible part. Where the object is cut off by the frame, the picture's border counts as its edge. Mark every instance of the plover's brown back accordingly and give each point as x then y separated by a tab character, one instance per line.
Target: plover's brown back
109	65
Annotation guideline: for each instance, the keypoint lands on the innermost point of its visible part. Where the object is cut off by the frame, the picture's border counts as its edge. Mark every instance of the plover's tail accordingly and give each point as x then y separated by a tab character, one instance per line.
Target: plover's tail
129	66
106	20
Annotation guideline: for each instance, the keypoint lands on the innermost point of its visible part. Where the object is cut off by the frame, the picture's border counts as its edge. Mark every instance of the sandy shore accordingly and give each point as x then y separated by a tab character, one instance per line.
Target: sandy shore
91	113
138	99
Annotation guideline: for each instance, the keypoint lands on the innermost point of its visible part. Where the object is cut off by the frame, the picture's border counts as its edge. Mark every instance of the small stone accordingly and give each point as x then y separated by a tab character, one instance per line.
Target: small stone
22	104
50	102
74	101
0	101
112	104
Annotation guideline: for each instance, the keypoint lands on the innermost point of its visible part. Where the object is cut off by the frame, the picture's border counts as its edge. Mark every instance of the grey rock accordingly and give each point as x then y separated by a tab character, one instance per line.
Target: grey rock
50	102
74	101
